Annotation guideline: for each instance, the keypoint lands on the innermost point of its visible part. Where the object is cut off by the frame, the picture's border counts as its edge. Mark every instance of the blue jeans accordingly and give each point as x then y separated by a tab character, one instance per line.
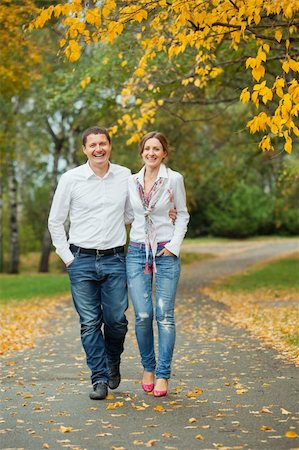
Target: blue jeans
99	290
140	288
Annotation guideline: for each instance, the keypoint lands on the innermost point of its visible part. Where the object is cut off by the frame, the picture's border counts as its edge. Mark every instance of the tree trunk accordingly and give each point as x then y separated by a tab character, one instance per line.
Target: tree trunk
47	243
14	250
71	154
1	224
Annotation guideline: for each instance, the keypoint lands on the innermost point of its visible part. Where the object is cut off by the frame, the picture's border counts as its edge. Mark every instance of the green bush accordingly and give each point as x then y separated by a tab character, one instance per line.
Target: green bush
288	222
246	211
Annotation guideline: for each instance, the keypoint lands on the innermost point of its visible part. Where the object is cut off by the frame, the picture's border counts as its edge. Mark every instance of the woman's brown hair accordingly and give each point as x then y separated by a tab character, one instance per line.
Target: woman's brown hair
154	134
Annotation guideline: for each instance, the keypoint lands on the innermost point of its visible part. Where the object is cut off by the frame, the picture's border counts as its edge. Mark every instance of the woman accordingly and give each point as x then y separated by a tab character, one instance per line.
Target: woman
154	248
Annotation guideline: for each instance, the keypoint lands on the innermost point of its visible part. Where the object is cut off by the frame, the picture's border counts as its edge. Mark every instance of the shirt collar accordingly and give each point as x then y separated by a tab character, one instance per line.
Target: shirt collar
88	172
161	174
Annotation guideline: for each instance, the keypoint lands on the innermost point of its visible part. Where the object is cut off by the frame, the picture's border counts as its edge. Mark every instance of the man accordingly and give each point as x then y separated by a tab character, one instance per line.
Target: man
94	196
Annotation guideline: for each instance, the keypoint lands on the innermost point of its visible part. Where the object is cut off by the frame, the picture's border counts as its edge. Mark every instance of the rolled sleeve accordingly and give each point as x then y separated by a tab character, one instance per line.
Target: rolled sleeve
182	219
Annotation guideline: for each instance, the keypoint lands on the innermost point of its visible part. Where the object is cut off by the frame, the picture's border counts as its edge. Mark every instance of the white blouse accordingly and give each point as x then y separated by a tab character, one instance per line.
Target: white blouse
173	196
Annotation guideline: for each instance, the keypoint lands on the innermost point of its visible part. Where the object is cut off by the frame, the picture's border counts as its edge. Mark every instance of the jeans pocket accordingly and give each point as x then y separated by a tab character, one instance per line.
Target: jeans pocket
121	257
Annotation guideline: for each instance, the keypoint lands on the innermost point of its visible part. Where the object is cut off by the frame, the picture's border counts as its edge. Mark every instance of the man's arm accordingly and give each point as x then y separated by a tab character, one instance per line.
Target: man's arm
57	217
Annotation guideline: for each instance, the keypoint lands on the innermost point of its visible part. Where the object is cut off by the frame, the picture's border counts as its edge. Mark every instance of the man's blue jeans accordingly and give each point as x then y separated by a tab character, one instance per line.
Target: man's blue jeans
99	290
140	288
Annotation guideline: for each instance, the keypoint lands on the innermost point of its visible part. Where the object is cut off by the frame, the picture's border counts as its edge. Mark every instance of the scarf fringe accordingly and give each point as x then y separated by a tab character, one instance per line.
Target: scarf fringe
148	268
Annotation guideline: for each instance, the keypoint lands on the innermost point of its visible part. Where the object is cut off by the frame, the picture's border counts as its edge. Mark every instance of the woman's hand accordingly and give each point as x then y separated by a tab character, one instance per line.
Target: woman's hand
165	252
172	214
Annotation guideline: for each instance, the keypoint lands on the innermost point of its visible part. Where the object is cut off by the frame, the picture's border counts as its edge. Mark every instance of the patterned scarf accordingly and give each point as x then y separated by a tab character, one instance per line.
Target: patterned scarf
149	202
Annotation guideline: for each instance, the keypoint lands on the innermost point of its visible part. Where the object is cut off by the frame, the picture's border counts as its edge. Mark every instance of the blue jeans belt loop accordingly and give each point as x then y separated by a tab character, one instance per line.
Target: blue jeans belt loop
97	252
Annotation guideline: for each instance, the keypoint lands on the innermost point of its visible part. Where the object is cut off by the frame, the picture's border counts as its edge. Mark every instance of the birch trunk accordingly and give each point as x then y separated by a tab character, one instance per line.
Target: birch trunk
47	243
1	225
14	250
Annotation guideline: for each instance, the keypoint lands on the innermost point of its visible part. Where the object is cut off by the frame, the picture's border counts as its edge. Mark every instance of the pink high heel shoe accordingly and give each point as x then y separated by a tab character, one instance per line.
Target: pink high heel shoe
160	393
147	387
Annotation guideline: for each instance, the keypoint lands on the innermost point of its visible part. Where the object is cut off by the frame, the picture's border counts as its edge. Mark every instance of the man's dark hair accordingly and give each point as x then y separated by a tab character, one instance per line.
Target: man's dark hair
95	130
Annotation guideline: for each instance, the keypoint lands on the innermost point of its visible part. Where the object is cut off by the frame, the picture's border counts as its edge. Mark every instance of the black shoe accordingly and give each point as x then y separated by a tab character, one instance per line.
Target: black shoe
114	376
100	391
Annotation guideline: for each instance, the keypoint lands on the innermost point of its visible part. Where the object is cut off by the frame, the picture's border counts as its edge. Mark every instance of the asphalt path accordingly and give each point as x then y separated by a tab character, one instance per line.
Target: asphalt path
227	391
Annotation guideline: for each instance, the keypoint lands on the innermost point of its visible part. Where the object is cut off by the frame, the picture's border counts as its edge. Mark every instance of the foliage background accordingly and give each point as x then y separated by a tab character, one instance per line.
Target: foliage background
234	188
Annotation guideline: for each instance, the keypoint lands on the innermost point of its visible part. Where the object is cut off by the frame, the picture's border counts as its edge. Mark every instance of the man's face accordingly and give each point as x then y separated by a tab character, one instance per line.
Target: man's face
98	150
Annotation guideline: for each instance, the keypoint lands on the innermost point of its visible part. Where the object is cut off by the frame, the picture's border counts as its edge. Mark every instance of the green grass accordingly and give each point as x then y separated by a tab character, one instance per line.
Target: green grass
293	339
206	239
281	274
190	257
24	287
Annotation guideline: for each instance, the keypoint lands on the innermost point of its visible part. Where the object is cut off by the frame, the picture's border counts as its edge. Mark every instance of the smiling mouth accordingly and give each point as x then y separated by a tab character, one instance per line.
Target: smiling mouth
99	155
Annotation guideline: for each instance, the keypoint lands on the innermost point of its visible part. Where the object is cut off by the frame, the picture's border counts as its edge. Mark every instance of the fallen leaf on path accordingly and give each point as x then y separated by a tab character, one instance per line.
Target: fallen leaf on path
291	434
114	405
199	437
266	410
284	411
151	443
63	429
266	428
159	408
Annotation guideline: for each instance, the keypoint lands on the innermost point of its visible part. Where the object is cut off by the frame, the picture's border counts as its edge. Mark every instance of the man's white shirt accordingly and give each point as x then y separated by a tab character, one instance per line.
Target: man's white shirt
97	208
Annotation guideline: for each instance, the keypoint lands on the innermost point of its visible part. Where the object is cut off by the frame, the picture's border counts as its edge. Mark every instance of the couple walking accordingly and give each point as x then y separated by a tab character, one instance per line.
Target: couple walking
99	198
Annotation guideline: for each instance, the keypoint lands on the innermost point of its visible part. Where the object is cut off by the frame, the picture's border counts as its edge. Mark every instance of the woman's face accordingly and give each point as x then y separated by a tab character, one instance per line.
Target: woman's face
153	153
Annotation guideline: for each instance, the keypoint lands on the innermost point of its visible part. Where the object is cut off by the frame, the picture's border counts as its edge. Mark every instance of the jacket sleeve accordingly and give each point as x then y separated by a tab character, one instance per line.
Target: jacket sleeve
182	219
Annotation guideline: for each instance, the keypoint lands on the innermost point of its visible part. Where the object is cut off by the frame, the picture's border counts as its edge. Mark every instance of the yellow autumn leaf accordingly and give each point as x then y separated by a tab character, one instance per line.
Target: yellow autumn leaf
286	66
294	65
114	405
278	35
141	15
192	420
63	429
264	409
159	408
258	72
85	82
93	16
265	145
199	437
288	146
151	442
291	434
245	96
139	72
167	435
241	391
266	428
108	7
46	446
199	391
191	394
